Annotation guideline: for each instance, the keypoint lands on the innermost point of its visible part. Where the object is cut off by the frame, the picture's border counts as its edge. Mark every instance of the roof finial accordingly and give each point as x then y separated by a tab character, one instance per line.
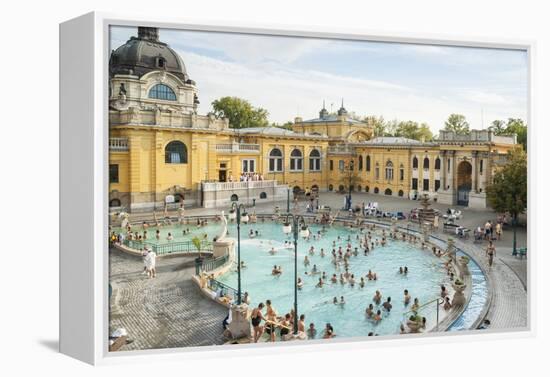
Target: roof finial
323	104
342	102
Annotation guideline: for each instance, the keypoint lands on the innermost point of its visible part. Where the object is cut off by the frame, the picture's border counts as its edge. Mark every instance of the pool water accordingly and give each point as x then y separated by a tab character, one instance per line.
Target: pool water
477	302
423	280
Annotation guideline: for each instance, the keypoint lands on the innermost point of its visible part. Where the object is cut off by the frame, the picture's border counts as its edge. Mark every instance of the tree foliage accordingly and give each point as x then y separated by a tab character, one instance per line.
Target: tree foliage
412	130
457	123
240	112
512	126
508	191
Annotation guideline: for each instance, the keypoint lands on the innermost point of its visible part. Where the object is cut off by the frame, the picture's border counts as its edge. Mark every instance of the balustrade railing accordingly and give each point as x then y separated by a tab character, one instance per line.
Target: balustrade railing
118	144
185	247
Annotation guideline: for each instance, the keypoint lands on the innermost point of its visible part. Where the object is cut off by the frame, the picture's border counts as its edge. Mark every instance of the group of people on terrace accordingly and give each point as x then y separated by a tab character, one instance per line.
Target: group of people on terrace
247	177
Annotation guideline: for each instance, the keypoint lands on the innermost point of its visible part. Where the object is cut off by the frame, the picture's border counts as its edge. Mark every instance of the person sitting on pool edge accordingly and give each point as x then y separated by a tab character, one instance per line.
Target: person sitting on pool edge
311	331
329	332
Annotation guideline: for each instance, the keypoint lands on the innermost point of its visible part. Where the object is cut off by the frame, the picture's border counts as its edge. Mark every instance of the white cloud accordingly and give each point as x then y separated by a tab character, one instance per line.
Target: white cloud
268	72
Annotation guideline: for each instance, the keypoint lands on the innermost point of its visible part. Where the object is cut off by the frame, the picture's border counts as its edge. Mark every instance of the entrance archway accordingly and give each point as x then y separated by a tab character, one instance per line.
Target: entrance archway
463	182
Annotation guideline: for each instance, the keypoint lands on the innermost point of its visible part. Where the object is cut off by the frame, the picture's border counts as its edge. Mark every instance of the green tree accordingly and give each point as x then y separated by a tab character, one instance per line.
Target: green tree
508	191
378	124
240	112
286	125
458	124
518	127
497	126
413	130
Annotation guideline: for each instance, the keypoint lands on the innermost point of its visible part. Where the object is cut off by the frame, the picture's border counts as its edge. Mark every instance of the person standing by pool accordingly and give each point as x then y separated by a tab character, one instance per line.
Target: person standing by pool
256	319
150	263
302	323
498	230
490	253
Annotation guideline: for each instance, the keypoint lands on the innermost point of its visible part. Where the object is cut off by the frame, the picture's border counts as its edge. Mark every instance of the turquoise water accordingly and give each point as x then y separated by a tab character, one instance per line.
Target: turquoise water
423	280
477	302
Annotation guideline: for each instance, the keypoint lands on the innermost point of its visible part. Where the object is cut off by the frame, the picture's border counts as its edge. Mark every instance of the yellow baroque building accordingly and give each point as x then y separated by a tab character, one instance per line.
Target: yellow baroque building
162	152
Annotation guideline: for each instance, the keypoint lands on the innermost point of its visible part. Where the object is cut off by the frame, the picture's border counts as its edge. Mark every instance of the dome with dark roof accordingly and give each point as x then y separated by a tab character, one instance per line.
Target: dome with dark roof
146	53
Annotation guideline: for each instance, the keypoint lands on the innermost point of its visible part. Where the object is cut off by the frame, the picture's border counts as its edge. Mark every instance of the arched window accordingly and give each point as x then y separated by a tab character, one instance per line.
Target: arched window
315	160
360	167
401	172
376	191
415	163
296	160
366	188
263	195
175	153
387	192
330	187
341	188
400	193
115	203
163	92
368	164
437	164
275	160
234	197
426	163
389	171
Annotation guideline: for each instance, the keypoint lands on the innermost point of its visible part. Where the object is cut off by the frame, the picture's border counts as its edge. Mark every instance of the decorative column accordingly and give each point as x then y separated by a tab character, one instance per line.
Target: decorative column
444	168
474	171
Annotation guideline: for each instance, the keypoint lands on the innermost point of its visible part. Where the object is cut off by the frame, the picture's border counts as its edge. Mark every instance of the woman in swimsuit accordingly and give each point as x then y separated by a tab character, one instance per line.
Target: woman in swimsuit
256	319
491	251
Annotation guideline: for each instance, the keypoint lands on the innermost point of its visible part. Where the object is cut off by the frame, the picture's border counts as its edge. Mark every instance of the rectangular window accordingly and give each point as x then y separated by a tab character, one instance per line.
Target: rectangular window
315	164
401	174
113	173
331	165
341	165
249	166
448	165
280	164
437	184
415	184
426	185
480	166
377	173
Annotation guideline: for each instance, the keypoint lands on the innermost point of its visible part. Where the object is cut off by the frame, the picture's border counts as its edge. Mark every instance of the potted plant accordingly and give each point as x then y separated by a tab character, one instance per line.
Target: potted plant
198	244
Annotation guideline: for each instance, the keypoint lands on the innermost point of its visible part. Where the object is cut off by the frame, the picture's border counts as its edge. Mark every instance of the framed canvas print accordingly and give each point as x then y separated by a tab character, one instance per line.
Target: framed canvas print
249	188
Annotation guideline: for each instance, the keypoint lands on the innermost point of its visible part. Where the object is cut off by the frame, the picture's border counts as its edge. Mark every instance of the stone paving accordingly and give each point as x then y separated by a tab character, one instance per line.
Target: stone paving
165	312
169	311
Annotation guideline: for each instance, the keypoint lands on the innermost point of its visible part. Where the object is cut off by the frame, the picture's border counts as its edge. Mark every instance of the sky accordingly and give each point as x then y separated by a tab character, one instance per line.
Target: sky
292	76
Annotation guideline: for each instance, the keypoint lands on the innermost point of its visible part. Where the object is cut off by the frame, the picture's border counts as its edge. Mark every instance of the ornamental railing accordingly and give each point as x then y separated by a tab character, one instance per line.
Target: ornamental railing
118	144
185	247
220	186
237	147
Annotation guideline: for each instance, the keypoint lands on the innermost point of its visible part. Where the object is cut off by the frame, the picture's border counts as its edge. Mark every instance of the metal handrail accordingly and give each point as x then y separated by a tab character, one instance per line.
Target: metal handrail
185	247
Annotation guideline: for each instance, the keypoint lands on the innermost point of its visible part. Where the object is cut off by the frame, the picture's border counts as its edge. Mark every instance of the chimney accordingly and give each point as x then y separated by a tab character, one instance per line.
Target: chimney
148	33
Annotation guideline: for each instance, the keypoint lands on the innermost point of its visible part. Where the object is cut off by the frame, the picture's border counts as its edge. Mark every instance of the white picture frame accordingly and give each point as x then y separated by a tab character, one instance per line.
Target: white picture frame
84	54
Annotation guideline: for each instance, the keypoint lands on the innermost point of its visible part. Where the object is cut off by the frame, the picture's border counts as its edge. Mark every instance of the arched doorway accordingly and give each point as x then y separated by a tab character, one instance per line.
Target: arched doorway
463	182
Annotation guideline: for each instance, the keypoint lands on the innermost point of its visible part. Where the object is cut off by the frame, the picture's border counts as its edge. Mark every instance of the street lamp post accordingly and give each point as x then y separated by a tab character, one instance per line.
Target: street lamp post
236	208
288	227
